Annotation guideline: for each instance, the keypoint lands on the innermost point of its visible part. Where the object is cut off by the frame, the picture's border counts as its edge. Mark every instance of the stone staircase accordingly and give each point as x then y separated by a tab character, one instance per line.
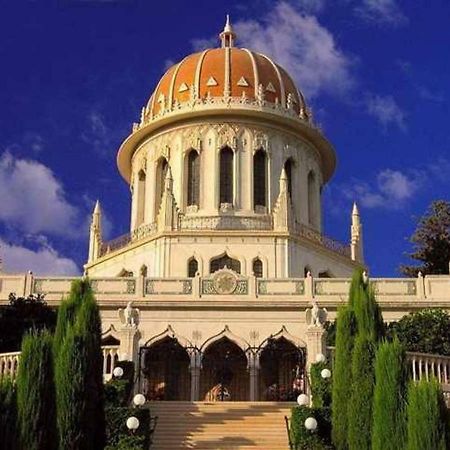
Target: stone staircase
220	425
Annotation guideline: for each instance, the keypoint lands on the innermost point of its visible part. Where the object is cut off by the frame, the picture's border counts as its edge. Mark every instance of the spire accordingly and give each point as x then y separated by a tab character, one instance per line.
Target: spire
227	36
282	212
95	234
356	242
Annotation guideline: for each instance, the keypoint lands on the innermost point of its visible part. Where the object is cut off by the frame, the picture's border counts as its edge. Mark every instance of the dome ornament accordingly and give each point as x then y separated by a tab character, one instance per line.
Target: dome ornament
227	36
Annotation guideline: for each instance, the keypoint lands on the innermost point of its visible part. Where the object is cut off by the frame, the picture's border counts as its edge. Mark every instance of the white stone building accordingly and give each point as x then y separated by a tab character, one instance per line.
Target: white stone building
225	250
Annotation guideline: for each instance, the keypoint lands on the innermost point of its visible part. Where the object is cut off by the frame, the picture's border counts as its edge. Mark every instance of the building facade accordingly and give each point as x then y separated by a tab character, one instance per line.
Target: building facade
207	292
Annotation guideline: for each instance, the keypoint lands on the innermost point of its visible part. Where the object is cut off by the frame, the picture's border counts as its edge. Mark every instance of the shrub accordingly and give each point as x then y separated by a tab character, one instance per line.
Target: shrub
320	387
8	415
389	419
36	393
360	405
118	435
426	416
341	388
304	439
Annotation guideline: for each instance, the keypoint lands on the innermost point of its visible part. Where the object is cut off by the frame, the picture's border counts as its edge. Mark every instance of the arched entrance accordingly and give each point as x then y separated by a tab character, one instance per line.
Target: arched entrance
165	369
282	370
224	375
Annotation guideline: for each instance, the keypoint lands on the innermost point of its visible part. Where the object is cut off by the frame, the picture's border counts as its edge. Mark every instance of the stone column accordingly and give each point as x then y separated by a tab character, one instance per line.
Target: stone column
315	344
129	348
195	368
253	368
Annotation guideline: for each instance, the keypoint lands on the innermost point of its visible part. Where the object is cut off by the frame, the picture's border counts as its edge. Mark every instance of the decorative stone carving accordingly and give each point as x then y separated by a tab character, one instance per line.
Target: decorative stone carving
225	282
315	316
129	317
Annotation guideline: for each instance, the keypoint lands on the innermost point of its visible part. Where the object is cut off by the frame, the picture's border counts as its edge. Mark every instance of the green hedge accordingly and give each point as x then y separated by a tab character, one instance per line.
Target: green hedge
320	387
117	434
303	439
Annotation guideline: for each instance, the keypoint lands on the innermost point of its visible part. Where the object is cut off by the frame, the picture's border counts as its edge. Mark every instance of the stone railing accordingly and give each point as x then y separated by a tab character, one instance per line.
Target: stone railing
392	293
9	362
262	222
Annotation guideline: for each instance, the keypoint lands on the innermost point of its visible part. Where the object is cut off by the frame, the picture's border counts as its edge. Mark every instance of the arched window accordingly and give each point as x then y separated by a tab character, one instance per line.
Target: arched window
222	261
288	166
257	268
259	178
161	173
140	215
193	187
312	199
226	175
192	267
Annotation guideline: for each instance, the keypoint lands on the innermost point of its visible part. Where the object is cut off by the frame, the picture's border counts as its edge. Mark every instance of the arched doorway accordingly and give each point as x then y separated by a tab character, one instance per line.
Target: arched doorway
165	369
224	375
282	370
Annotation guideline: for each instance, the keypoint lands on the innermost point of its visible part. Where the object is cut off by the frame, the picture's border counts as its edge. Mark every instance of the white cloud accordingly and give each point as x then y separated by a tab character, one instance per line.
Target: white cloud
386	110
381	11
98	134
33	200
311	6
299	43
43	261
391	189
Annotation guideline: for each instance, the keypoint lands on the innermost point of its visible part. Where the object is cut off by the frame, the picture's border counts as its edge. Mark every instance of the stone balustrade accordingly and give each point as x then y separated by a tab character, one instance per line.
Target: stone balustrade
9	362
410	293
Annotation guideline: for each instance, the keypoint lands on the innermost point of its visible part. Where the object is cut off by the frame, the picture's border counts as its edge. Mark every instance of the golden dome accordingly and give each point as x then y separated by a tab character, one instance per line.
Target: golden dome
226	72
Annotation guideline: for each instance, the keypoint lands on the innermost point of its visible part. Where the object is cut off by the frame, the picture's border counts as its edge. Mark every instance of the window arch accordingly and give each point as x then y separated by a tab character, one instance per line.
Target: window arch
257	268
288	168
226	175
193	176
161	173
259	178
312	199
192	267
140	214
221	261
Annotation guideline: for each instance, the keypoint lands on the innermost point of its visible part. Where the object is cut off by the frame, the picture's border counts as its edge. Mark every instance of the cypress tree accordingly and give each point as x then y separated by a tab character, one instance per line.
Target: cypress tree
67	313
389	415
35	393
426	416
79	375
360	404
342	376
88	326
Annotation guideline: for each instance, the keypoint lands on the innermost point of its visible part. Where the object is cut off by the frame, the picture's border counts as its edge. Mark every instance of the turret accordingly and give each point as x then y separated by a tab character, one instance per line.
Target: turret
95	233
168	211
282	212
356	242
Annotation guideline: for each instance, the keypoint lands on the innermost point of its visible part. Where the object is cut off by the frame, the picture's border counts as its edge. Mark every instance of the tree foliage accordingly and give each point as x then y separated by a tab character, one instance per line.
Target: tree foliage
341	390
78	372
425	331
320	387
8	415
431	242
21	315
426	417
360	403
389	415
36	393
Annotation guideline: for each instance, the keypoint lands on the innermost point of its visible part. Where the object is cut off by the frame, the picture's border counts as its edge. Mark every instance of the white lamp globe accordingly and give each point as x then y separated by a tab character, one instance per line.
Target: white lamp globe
118	372
325	374
320	358
138	399
132	423
303	400
311	424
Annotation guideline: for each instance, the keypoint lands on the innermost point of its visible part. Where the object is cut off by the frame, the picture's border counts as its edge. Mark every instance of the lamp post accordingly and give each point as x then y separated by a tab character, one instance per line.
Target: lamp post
132	423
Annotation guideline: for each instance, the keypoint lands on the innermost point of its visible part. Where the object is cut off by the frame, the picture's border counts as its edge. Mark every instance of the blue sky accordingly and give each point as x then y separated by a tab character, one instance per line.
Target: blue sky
75	74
